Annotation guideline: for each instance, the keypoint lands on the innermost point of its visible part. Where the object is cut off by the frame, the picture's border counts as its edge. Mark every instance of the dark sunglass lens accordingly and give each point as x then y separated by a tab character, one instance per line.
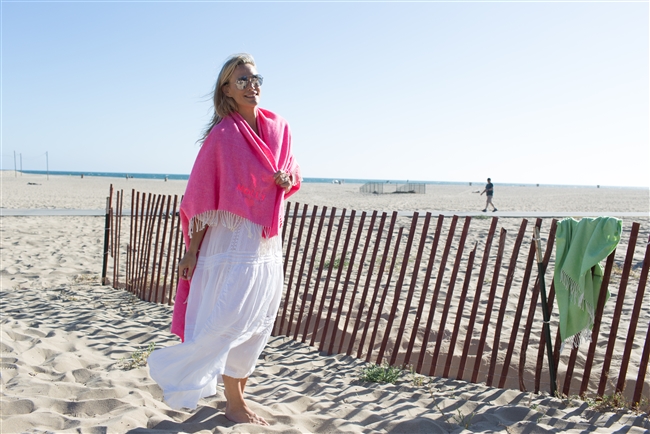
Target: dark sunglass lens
254	80
241	82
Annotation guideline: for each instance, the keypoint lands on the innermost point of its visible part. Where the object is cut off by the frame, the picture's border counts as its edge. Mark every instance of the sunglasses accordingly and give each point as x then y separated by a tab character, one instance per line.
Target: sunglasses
254	80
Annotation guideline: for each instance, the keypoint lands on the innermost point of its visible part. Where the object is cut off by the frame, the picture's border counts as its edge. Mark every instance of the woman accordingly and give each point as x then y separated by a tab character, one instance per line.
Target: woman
231	275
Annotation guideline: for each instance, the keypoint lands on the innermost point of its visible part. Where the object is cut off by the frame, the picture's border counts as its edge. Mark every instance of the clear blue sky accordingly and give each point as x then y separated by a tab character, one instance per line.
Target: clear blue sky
551	93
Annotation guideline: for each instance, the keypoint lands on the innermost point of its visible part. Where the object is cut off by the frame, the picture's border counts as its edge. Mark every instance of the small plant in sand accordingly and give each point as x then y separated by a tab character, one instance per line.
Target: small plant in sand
446	415
416	379
533	405
75	281
607	403
615	402
127	302
381	373
459	419
66	294
464	420
84	279
138	358
643	406
617	271
338	262
569	400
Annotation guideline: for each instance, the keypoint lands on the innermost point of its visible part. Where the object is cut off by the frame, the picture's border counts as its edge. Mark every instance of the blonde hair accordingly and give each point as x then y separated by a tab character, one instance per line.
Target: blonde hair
224	105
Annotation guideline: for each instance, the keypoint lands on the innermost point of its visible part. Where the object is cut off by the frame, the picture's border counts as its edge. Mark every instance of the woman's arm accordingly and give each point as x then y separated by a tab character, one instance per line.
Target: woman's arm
188	263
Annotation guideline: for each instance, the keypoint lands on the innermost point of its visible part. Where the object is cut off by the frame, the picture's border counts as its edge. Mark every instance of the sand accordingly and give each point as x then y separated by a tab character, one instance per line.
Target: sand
68	343
89	193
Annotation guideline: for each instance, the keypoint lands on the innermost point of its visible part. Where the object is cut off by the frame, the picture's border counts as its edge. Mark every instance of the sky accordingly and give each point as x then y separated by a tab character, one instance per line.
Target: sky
522	92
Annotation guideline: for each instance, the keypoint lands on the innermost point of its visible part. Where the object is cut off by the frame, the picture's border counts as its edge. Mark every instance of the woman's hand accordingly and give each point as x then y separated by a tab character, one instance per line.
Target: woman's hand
283	179
187	265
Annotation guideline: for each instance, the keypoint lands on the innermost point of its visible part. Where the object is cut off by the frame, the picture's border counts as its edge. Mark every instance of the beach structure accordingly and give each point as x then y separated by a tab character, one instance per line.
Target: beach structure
412	291
394	188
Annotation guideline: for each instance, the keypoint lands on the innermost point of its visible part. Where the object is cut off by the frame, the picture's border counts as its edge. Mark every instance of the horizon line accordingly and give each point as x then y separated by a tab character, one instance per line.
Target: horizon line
314	179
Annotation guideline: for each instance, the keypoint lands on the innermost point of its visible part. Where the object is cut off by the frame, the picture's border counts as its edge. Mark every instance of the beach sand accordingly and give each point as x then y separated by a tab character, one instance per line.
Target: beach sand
68	344
71	192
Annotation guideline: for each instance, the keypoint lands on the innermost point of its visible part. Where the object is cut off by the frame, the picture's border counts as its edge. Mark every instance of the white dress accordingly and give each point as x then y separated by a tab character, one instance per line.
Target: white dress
234	298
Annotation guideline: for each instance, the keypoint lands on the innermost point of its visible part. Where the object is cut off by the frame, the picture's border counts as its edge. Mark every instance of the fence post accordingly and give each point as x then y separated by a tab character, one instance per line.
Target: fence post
107	229
545	312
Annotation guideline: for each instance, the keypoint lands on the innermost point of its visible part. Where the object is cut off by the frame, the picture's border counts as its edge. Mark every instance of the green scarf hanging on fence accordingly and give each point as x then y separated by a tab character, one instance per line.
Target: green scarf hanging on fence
580	247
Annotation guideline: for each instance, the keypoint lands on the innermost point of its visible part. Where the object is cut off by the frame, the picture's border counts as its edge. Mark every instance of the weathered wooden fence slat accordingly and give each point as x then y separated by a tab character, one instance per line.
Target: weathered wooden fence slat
303	263
384	294
533	315
620	299
330	267
306	299
425	288
450	290
279	325
350	309
155	271
488	308
147	269
397	293
597	321
645	358
348	276
477	298
411	293
504	301
434	301
634	317
287	253
339	273
378	278
643	280
364	295
141	249
179	246
461	307
519	310
160	296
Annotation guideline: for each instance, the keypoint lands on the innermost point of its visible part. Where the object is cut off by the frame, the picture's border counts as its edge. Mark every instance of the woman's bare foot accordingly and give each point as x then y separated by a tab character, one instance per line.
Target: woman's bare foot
244	415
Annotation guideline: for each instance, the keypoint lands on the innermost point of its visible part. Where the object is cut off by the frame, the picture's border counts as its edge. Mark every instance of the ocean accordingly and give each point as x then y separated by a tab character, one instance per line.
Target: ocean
185	177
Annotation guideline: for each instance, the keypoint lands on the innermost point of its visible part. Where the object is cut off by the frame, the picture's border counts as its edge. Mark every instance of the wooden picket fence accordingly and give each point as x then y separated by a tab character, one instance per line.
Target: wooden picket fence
414	291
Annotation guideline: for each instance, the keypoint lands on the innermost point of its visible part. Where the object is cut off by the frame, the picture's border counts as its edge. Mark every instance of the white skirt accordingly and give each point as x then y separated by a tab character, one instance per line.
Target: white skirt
233	302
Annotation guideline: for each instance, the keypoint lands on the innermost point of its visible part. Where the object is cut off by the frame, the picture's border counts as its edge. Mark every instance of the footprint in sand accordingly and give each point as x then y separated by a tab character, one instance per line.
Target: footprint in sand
4	348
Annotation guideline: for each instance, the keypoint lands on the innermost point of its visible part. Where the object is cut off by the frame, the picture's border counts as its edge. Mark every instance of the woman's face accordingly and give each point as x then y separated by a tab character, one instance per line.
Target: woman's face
248	97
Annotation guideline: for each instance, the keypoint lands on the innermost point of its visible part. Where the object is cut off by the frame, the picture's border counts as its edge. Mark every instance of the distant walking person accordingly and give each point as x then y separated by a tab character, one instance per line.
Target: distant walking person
489	192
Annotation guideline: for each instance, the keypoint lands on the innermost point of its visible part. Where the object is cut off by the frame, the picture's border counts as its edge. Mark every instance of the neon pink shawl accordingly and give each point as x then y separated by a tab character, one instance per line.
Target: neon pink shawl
233	174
